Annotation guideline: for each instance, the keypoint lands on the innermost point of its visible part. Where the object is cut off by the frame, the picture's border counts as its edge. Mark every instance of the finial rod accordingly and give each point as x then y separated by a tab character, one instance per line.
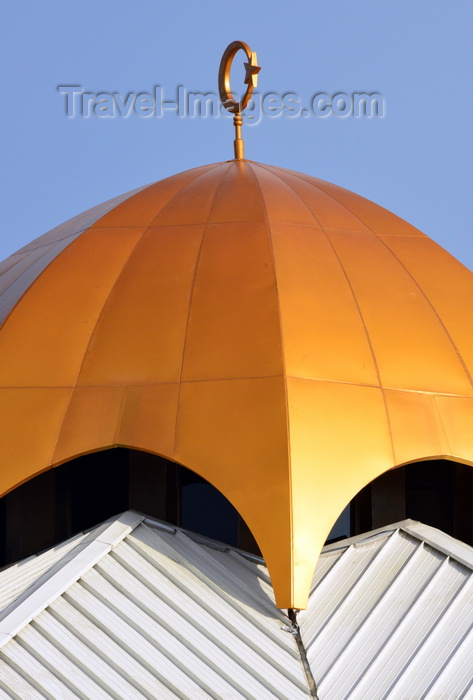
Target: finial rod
238	144
251	80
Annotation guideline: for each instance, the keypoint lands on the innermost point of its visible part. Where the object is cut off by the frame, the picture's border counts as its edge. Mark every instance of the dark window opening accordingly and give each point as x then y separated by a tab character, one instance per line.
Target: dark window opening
343	528
435	492
205	510
78	495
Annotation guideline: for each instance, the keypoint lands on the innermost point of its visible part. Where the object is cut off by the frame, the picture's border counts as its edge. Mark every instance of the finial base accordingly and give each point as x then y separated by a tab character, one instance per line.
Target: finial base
239	149
238	144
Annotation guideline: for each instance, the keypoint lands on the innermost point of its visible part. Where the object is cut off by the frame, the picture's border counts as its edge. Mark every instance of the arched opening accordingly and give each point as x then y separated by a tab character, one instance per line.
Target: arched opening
87	490
436	492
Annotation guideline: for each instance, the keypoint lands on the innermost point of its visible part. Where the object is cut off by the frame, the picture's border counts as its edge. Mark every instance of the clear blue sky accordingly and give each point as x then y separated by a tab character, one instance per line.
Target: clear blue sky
416	161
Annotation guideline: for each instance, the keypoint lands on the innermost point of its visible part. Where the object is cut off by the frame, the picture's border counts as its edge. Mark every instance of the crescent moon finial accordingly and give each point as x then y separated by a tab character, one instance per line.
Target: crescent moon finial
251	81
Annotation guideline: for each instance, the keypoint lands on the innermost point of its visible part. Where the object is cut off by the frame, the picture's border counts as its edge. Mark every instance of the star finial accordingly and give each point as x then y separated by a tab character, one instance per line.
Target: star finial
251	71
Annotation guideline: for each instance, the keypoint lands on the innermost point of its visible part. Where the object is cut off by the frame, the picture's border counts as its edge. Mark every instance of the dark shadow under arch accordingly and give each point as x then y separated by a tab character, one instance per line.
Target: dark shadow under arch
437	492
85	491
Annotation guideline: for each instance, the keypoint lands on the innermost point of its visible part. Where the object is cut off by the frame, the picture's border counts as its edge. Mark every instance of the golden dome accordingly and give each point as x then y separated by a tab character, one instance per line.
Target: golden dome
287	340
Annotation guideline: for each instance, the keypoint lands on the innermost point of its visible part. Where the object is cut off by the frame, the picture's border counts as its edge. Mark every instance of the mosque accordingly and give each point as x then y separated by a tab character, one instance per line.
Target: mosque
211	387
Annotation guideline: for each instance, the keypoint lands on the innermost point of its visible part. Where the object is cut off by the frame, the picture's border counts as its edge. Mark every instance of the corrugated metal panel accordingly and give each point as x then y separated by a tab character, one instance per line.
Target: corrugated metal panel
159	615
391	616
144	610
16	579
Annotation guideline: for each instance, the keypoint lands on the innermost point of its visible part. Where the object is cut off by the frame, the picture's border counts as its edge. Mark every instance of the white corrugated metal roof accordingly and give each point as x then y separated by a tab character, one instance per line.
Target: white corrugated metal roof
391	616
139	609
18	578
142	610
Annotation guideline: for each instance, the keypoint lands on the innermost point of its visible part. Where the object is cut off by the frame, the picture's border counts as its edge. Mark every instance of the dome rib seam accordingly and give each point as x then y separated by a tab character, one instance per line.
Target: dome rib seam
416	283
253	170
345	274
87	348
74	236
102	311
191	298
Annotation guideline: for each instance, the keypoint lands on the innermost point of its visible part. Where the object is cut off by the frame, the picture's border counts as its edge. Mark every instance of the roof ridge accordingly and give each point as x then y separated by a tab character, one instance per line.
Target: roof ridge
63	574
448	545
368	535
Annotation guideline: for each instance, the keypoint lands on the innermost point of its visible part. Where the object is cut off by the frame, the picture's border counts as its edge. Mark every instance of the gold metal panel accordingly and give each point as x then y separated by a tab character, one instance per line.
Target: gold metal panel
20	278
324	335
31	418
339	442
77	224
193	203
416	427
447	284
329	212
380	220
142	208
456	414
44	341
234	434
239	198
411	346
20	271
334	451
234	314
281	202
235	279
90	422
139	337
148	418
